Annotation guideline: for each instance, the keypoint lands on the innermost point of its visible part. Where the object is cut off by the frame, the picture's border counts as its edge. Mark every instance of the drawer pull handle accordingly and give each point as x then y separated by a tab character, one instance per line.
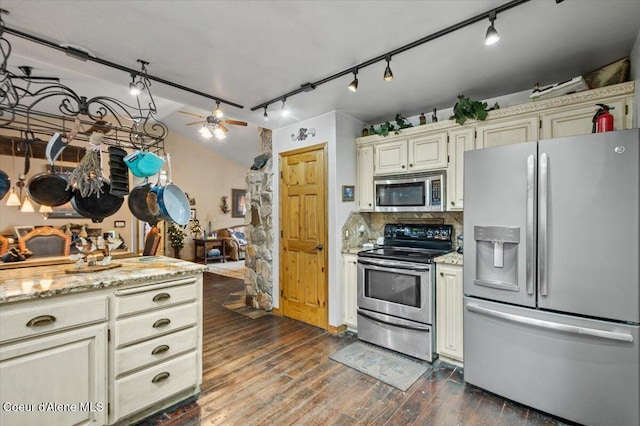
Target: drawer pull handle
161	297
41	320
161	322
160	350
160	377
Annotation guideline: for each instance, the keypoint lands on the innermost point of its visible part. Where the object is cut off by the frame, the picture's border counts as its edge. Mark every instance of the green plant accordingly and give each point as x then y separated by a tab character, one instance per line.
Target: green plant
466	108
387	127
176	237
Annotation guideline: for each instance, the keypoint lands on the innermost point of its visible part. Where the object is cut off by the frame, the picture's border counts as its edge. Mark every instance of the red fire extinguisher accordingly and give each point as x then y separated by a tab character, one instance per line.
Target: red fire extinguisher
603	120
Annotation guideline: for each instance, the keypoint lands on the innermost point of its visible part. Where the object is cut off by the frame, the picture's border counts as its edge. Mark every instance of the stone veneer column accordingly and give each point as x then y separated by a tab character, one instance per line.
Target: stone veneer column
259	222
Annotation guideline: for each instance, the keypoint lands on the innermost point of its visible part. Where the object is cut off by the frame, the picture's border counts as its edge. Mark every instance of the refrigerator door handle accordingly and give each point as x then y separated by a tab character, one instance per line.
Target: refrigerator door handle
530	231
542	225
550	325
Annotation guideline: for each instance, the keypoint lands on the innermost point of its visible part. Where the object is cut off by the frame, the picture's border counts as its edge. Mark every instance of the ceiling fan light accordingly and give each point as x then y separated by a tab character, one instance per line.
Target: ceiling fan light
219	133
13	200
205	132
27	207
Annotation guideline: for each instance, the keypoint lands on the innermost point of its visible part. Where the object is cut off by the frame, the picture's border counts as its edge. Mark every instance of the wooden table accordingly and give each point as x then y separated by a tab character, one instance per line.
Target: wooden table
208	244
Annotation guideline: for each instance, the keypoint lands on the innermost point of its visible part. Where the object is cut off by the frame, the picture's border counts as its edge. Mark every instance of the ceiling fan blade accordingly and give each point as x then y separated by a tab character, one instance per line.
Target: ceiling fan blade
236	122
194	122
222	126
190	113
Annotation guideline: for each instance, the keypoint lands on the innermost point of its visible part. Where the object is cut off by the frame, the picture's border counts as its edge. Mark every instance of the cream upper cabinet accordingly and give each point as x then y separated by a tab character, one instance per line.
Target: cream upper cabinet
390	157
349	280
507	132
415	154
460	140
578	119
365	178
449	311
427	152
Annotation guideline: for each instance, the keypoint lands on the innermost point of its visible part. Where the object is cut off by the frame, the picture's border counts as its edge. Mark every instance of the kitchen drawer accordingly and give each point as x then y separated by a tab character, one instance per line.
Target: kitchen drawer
155	350
155	323
156	296
47	316
151	385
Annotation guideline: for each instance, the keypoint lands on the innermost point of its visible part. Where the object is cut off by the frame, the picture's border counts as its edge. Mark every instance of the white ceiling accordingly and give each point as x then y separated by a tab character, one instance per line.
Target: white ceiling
249	52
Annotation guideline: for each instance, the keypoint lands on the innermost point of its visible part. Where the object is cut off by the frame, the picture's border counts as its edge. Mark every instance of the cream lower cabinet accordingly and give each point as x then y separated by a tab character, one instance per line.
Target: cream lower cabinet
365	178
449	310
53	362
350	282
460	140
156	346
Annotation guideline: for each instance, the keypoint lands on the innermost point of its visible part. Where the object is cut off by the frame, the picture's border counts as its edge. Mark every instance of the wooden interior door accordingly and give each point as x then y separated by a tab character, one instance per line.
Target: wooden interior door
303	224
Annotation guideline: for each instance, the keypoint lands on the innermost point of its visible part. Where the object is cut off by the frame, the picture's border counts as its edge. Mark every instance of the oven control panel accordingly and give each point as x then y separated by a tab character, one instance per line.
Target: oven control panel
417	232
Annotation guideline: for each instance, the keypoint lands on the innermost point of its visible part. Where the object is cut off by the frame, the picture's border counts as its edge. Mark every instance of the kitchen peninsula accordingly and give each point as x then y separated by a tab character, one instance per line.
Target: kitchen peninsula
109	347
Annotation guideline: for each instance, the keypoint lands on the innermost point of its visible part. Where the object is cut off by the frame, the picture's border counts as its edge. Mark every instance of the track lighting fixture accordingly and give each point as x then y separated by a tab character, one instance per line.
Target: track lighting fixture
492	36
284	112
218	112
353	86
388	75
265	115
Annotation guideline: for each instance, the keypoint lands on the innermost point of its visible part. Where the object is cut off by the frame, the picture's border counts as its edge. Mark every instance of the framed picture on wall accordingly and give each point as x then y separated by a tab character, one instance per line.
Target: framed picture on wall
348	193
238	208
21	231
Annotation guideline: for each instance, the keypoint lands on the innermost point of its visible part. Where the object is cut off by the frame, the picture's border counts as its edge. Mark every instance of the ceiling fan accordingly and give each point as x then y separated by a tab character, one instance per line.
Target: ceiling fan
214	124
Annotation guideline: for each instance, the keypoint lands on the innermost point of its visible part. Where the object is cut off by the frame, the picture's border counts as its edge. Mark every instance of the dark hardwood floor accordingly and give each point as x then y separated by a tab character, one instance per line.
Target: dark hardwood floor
276	371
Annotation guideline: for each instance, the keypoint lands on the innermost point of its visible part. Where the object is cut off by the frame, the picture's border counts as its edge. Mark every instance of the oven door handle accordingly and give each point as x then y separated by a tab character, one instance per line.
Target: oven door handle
392	264
396	322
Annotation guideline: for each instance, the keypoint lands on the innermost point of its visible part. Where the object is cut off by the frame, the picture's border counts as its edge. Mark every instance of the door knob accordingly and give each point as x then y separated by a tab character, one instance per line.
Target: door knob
319	247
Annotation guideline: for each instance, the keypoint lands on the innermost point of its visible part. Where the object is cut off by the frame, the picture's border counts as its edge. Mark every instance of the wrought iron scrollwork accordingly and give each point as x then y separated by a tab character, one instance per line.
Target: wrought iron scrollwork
25	102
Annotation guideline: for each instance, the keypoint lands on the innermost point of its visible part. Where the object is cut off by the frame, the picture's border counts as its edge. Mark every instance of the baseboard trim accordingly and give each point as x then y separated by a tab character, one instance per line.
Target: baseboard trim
337	330
276	311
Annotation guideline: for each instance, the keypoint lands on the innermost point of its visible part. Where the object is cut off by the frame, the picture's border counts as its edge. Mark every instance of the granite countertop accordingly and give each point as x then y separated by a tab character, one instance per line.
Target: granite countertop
355	250
452	258
42	281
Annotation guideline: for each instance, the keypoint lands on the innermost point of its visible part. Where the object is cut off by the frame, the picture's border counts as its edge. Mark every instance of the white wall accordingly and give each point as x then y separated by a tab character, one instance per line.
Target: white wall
338	131
635	75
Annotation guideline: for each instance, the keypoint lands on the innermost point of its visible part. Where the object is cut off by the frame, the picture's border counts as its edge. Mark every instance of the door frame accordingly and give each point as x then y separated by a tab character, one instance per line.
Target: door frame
325	160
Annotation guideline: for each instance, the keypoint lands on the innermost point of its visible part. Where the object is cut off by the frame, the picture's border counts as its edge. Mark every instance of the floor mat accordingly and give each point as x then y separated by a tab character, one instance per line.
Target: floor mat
384	365
236	302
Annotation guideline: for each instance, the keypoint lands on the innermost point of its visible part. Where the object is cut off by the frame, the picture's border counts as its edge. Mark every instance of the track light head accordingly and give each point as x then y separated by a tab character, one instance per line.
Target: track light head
388	75
353	86
265	115
218	112
284	111
492	36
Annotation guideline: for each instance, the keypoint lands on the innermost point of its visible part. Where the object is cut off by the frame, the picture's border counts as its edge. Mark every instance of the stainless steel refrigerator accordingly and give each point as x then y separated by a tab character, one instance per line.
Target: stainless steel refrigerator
552	275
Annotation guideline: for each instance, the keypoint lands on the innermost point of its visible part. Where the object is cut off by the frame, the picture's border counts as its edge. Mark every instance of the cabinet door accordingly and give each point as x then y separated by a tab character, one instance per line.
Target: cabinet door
66	369
365	178
507	132
349	278
449	310
428	152
459	141
577	119
390	157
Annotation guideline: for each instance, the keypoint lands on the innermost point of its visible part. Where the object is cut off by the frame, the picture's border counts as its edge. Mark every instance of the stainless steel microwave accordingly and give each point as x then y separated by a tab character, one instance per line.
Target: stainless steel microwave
422	192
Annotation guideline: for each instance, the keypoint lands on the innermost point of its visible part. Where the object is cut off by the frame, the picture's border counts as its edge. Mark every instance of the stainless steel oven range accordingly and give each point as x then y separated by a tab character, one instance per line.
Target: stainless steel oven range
396	290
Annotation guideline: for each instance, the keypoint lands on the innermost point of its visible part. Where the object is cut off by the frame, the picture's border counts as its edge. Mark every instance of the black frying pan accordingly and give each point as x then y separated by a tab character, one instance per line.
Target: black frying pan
5	184
94	207
49	189
139	206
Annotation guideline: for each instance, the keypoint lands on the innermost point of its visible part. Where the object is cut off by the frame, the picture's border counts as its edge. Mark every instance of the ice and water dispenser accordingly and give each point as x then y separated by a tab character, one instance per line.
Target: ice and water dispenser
497	256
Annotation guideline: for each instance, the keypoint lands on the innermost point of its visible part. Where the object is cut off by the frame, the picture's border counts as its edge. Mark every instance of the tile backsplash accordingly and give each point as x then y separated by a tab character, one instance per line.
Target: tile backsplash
363	227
